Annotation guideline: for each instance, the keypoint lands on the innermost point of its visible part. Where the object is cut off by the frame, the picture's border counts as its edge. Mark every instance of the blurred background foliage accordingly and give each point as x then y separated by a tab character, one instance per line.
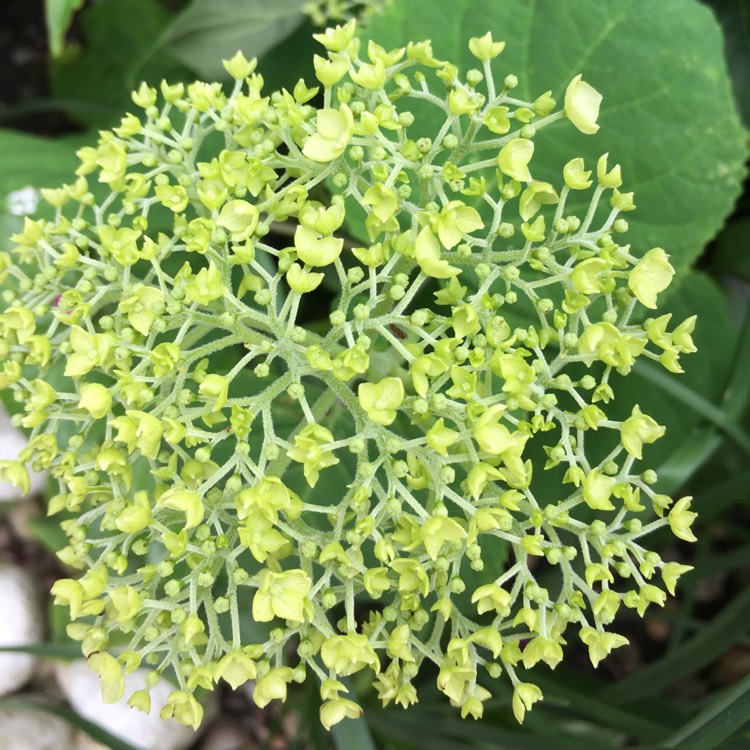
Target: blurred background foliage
676	82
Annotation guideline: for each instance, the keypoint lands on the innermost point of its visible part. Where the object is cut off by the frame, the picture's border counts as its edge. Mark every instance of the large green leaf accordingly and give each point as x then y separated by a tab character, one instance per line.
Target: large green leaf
289	60
668	115
734	17
28	160
208	31
120	50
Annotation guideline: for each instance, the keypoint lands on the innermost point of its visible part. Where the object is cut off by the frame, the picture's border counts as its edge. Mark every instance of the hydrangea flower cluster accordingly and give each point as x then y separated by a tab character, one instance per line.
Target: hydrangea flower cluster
325	12
219	461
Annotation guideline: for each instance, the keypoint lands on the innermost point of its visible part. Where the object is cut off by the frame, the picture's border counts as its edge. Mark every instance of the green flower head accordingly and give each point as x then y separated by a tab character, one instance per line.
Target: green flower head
301	353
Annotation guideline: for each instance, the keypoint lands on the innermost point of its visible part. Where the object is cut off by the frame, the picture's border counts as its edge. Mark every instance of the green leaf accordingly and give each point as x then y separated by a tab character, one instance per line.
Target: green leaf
425	727
29	160
289	60
708	730
59	15
352	734
734	17
685	403
58	619
722	495
30	109
687	658
696	449
48	533
730	251
319	737
692	400
668	115
61	651
566	701
93	730
209	31
9	225
120	50
737	558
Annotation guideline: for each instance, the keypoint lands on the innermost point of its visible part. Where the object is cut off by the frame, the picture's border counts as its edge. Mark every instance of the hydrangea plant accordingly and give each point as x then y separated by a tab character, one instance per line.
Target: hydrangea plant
351	441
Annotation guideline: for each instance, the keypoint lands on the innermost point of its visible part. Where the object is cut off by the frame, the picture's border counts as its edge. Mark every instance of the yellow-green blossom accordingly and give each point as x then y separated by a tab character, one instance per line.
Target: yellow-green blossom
582	103
334	131
282	595
252	417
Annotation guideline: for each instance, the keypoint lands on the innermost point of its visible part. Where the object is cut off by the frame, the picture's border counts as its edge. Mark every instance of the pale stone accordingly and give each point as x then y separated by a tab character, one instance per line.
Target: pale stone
21	624
81	688
34	729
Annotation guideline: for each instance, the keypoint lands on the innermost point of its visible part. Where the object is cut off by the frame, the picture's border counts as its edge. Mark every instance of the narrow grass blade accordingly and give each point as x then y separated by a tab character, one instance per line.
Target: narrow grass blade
708	730
61	651
353	734
690	656
698	449
601	712
432	730
693	400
